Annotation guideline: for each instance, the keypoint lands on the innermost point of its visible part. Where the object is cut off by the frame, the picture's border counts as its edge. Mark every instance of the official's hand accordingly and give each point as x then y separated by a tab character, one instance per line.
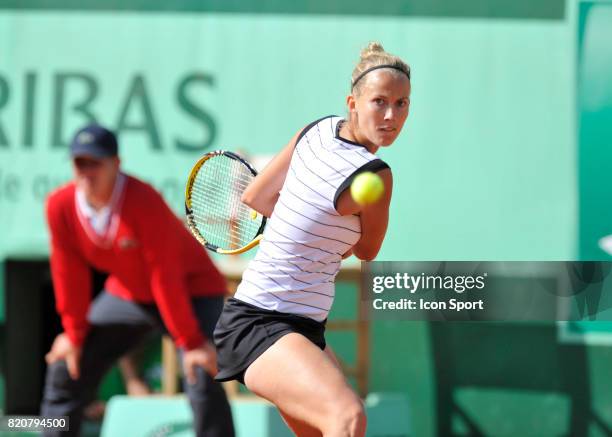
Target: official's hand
63	349
204	356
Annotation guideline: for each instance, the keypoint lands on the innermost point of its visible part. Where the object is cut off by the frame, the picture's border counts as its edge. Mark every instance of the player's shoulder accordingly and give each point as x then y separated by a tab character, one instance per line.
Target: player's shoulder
311	125
328	120
325	119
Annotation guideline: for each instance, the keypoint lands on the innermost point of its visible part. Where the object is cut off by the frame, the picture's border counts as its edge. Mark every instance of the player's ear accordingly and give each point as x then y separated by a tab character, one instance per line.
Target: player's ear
350	103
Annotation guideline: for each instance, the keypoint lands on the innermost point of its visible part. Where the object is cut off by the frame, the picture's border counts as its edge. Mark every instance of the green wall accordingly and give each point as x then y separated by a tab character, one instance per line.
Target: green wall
595	121
485	167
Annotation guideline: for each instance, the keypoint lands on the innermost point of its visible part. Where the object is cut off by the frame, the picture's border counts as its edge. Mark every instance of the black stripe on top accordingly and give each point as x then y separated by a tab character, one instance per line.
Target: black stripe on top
284	300
306	185
286	187
310	126
295	279
313	220
337	136
373	166
297	152
321	161
343	141
330	263
297	266
309	233
259	304
334	152
352	149
303	244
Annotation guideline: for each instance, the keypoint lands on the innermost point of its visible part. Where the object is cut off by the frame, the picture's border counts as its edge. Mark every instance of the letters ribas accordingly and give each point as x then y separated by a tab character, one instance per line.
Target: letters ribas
76	95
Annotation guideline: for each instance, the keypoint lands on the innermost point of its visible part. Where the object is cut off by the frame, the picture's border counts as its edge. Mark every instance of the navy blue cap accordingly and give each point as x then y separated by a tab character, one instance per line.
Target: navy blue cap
94	140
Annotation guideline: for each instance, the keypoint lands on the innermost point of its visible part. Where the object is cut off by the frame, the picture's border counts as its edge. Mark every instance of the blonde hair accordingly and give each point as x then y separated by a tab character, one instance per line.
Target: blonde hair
374	55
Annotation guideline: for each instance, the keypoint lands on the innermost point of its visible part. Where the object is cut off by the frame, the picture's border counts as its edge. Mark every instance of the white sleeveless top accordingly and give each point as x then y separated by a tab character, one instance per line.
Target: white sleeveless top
304	239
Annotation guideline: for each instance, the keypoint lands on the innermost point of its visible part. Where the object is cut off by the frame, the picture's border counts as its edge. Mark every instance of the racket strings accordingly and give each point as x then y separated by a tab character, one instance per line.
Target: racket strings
217	222
220	216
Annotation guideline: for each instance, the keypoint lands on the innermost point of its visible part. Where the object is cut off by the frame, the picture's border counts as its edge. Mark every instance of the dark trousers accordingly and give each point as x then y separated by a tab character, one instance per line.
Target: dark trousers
118	326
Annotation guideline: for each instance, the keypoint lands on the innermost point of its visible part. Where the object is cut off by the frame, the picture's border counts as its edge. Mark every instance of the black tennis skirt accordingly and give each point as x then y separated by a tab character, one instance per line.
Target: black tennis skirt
245	331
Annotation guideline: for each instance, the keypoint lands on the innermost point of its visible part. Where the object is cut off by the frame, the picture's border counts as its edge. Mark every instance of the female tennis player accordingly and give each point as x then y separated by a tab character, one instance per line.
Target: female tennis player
271	334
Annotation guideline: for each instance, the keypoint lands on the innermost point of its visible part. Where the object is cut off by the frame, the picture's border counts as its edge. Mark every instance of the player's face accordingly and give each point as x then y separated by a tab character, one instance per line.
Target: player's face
381	108
96	176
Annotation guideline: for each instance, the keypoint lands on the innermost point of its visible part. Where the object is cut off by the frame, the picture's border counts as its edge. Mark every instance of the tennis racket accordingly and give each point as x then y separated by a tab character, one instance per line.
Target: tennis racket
215	214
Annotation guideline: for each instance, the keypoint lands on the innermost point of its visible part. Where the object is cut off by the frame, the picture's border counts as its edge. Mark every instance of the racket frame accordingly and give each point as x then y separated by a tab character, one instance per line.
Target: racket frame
191	223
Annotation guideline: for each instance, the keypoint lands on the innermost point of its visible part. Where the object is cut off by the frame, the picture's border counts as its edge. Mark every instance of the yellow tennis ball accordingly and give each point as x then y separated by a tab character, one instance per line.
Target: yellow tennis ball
367	188
253	214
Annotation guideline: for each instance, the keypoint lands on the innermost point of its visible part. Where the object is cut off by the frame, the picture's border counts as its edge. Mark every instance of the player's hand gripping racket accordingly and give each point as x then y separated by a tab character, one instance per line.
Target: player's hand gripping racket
215	214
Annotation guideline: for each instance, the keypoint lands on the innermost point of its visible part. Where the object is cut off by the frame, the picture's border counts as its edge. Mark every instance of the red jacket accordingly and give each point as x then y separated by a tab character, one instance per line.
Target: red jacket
151	258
